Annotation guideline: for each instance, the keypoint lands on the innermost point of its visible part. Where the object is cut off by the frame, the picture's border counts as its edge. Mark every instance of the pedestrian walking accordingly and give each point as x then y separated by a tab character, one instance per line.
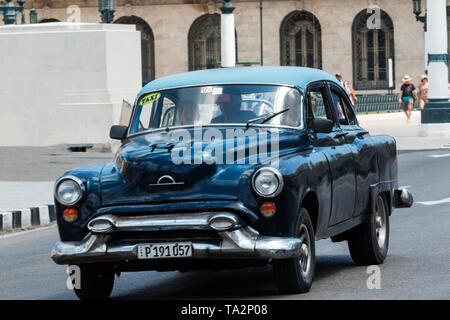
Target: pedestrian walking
423	91
406	98
351	92
348	88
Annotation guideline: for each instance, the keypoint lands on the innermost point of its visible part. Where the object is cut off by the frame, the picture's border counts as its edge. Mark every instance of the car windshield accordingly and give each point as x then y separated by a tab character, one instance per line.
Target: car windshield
215	105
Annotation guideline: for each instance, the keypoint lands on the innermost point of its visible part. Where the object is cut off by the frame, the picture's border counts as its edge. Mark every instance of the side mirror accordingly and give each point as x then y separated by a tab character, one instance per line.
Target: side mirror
320	125
118	132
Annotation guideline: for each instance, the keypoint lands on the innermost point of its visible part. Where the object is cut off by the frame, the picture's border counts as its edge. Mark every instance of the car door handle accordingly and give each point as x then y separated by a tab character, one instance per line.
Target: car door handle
340	135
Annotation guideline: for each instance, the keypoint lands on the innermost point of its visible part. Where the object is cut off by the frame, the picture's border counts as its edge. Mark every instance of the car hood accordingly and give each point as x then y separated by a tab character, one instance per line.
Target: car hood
147	167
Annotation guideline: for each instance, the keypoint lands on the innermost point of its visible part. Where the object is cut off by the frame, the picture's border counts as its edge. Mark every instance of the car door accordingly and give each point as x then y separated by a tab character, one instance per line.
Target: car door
362	147
337	152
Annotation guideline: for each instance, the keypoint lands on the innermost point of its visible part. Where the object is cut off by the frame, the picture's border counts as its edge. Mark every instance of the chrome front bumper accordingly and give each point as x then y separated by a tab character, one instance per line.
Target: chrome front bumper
236	241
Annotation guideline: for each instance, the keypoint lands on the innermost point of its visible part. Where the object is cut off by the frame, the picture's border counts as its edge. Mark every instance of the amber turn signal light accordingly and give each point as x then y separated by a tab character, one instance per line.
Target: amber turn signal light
268	209
70	214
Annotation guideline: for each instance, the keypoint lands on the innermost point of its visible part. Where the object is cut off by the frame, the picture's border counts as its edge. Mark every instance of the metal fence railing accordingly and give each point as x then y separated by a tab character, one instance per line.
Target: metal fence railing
379	103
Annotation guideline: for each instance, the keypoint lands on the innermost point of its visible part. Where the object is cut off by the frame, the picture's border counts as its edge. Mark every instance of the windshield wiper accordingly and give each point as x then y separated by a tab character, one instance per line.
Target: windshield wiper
265	118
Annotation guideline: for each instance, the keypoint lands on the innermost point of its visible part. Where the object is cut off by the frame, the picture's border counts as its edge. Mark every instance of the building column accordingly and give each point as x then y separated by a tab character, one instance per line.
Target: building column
228	40
436	114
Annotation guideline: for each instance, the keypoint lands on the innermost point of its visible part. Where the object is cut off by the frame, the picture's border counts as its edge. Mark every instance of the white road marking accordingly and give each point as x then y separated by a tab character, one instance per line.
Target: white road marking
431	203
445	155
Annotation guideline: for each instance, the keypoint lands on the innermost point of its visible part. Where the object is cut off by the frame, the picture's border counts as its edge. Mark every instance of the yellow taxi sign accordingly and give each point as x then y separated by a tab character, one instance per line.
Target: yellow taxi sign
149	98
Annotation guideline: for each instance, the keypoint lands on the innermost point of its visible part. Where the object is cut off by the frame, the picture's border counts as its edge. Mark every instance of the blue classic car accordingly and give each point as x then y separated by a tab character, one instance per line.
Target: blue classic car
230	168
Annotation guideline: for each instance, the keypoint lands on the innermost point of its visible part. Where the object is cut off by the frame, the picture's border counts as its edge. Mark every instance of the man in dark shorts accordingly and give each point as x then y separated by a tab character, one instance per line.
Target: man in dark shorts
406	98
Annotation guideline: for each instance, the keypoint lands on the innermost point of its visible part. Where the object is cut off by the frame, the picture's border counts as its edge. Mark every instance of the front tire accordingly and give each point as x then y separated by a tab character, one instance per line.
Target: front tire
96	282
295	275
369	242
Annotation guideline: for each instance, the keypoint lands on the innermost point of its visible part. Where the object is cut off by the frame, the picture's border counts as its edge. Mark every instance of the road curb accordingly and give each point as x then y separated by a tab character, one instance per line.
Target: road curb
27	218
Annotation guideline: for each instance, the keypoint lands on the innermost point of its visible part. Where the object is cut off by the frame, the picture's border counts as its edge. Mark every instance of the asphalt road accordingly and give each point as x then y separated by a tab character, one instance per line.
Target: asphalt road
417	267
43	163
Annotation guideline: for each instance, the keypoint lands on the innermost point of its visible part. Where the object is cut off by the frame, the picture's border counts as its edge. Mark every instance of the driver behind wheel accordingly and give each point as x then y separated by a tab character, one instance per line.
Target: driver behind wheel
230	102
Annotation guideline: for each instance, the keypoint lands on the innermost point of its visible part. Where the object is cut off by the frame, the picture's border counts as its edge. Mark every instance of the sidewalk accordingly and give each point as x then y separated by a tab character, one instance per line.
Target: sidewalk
406	134
28	193
27	177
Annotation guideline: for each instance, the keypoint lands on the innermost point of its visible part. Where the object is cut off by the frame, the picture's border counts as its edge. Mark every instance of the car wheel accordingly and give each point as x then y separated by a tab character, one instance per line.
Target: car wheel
96	282
295	275
369	242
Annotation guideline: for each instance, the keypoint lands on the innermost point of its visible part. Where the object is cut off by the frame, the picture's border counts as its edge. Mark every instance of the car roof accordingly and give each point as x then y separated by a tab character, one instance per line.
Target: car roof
294	76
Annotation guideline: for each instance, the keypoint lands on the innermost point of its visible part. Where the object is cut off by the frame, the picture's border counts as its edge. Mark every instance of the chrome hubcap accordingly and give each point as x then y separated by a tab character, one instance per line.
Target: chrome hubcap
380	223
305	254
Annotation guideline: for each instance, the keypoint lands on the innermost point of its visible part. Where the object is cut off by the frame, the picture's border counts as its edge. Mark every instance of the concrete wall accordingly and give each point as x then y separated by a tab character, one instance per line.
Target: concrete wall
170	21
64	83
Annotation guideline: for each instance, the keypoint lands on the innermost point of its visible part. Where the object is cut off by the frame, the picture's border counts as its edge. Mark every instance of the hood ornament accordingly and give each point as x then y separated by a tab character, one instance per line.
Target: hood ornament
165	180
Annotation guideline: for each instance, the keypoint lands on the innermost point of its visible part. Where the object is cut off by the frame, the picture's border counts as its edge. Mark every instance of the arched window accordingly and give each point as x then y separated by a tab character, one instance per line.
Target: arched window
372	49
204	42
49	20
147	46
301	40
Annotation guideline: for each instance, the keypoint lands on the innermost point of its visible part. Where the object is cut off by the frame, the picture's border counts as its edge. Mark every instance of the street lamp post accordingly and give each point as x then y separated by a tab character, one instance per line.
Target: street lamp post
417	9
21	4
107	9
227	37
10	11
435	120
33	16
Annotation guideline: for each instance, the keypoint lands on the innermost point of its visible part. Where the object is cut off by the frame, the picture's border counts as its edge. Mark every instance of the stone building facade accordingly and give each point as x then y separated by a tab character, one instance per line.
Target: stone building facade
182	35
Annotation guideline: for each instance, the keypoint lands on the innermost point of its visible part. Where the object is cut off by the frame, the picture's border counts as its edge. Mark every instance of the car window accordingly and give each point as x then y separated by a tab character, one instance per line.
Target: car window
218	104
145	118
317	108
167	113
343	110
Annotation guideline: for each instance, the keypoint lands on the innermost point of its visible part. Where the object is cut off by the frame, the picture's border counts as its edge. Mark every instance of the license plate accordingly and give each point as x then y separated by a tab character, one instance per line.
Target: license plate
165	250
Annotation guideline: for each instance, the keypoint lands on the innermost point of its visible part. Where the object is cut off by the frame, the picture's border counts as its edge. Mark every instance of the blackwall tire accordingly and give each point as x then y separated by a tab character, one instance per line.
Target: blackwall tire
96	282
295	275
369	242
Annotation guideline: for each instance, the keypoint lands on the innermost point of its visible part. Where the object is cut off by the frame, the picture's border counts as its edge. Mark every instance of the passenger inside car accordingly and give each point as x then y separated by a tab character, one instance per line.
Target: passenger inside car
185	113
291	102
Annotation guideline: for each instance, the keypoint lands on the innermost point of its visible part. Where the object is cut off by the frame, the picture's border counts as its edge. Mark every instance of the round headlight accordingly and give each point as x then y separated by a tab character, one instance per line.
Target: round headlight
69	190
268	182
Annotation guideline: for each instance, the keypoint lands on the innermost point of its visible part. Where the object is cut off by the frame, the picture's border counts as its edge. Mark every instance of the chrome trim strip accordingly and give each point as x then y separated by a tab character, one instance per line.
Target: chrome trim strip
212	84
159	183
163	222
165	184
